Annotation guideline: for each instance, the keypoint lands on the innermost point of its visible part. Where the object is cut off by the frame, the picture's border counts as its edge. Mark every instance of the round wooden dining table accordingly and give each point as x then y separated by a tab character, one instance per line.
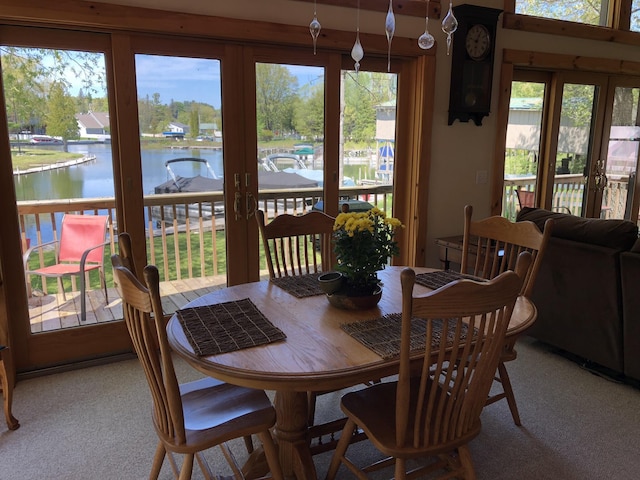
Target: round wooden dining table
317	354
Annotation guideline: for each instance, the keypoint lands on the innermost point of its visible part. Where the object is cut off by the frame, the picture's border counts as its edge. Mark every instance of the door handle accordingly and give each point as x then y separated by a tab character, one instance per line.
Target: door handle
252	205
237	202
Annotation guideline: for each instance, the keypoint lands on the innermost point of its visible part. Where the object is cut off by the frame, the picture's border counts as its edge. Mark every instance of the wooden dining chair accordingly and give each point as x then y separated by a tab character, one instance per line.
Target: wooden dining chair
125	253
7	390
297	244
491	246
434	410
196	416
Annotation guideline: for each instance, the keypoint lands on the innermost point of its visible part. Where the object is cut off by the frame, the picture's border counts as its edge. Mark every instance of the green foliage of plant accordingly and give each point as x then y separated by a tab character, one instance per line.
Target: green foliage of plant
363	243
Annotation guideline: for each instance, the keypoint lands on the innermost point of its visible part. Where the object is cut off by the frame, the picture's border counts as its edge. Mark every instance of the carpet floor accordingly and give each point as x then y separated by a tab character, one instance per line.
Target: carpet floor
95	423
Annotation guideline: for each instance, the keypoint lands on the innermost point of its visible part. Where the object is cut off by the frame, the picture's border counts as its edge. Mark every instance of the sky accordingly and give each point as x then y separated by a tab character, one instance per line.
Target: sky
188	79
185	79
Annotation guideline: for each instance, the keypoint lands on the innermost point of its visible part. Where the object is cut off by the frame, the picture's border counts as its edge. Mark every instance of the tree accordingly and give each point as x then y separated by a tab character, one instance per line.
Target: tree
309	114
194	123
275	94
61	115
24	91
582	11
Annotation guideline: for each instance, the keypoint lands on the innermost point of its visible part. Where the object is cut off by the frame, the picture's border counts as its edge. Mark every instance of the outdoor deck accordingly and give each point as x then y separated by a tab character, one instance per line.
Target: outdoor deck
52	312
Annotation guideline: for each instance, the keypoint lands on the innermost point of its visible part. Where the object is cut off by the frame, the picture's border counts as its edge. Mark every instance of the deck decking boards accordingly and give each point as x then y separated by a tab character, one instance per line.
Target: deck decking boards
51	312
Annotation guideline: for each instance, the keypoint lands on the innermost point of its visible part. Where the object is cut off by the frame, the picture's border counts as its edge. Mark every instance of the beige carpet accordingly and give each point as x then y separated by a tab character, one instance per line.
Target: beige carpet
95	424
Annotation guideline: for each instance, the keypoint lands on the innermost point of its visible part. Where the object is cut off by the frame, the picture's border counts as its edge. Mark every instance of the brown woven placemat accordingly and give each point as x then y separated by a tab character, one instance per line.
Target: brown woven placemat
300	285
226	327
439	279
382	335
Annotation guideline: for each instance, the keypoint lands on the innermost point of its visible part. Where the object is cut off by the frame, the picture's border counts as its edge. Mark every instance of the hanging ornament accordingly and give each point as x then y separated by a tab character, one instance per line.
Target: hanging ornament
426	40
390	29
449	25
314	28
357	53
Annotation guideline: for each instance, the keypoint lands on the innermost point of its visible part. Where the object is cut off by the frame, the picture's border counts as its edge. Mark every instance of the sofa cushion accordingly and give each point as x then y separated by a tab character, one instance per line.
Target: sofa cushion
617	234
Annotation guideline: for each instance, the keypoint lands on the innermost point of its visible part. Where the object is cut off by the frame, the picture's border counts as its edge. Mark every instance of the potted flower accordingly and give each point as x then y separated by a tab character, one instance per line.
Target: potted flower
363	243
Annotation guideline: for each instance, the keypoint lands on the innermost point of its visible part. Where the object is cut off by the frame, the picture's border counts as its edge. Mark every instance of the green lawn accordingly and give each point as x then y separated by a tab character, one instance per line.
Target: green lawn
25	158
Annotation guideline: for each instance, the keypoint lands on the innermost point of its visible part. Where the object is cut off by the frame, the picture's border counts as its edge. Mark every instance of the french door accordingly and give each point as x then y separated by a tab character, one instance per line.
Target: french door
52	83
571	138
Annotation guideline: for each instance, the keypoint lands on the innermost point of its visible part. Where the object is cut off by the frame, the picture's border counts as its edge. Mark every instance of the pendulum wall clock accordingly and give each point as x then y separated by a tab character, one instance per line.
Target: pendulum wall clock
472	63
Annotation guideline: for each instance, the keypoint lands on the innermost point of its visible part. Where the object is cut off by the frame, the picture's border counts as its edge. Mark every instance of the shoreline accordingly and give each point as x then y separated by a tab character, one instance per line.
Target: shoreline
53	166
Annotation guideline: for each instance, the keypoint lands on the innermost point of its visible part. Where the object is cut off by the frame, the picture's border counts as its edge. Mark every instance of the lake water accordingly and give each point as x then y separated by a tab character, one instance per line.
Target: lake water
95	179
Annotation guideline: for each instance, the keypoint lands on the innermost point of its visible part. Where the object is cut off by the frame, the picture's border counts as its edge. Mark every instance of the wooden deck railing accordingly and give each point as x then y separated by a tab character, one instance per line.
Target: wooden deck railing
197	254
568	192
201	252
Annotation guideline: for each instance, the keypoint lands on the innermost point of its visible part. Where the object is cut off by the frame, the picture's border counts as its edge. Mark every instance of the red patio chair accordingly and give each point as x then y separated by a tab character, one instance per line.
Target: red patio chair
79	250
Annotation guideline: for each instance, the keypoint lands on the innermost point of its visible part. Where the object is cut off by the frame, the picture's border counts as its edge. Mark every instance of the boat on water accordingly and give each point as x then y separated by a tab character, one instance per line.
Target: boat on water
292	163
267	180
45	140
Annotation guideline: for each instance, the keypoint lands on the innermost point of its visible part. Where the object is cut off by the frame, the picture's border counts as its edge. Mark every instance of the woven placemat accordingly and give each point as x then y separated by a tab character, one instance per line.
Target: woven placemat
382	335
435	280
226	327
300	285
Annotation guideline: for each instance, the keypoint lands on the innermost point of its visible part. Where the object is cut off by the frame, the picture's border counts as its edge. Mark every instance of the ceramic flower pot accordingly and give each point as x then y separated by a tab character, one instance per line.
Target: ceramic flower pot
342	300
330	282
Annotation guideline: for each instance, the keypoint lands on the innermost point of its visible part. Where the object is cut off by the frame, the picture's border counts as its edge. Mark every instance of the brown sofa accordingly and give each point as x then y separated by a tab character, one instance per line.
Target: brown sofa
586	290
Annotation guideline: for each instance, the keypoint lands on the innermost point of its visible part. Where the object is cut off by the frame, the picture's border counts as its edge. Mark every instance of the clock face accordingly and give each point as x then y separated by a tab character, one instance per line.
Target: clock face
478	42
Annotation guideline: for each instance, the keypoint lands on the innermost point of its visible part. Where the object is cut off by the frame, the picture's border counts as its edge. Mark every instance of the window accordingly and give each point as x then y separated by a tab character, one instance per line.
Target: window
635	16
591	12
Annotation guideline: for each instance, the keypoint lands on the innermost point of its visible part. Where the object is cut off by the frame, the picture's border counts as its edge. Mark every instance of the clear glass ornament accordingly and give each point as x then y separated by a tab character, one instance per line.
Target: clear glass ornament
357	53
390	29
314	28
449	26
426	40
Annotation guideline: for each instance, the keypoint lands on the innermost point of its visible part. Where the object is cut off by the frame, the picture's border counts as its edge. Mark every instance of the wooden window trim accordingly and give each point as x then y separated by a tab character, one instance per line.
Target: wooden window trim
620	33
81	15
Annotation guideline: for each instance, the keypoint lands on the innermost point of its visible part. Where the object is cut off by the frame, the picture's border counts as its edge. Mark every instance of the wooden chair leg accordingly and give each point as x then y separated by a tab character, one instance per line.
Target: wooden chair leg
508	392
7	392
466	463
311	407
271	454
341	449
187	467
158	459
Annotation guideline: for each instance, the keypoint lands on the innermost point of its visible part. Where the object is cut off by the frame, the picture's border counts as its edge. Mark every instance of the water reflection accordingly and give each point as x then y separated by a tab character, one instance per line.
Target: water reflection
94	179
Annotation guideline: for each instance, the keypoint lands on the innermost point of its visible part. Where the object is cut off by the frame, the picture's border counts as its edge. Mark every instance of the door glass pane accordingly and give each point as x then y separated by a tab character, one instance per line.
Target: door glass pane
582	11
622	153
179	104
574	147
368	135
290	123
522	152
635	16
57	109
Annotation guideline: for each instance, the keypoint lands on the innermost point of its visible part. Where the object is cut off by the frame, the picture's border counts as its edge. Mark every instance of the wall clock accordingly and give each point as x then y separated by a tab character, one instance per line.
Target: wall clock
472	63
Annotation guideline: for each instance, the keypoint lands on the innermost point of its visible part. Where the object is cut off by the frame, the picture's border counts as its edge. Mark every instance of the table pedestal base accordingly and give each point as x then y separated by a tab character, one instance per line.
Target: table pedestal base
291	436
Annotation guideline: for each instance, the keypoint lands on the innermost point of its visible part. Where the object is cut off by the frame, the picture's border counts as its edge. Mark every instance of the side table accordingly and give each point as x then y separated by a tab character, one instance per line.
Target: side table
450	250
